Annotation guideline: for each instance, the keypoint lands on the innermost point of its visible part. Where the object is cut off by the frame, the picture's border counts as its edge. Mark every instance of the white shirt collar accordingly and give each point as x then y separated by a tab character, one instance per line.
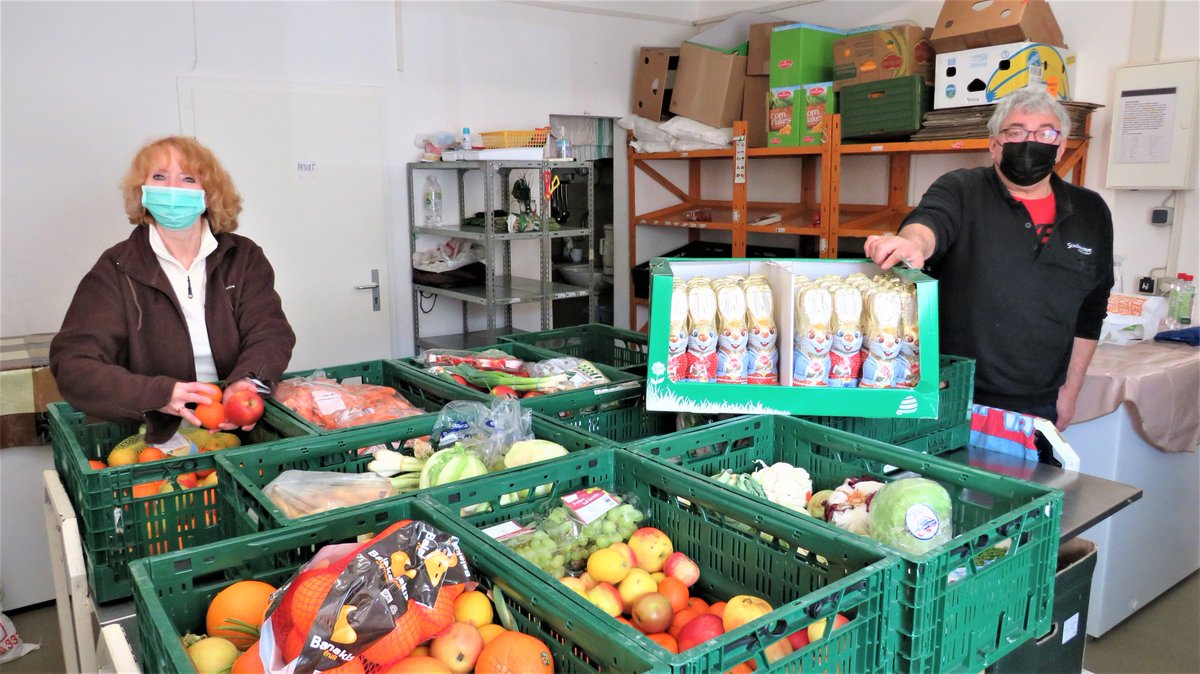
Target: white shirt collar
208	243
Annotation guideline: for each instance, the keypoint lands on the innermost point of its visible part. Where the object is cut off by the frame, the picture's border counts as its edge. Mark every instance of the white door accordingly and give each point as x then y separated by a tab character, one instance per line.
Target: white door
308	162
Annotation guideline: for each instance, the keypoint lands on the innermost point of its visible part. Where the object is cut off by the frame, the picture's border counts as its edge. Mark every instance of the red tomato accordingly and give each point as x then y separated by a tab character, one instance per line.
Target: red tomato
530	394
211	415
505	392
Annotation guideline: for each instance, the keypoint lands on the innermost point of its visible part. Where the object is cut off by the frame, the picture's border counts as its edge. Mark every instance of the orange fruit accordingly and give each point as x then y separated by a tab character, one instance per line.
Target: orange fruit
249	662
676	591
607	565
97	464
743	668
515	652
681	618
697	604
211	415
355	666
238	608
307	594
418	664
147	489
213	392
666	641
151	454
717	609
473	607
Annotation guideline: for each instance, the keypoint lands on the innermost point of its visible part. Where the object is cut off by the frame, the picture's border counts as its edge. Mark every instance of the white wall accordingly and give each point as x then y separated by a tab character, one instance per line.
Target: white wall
86	83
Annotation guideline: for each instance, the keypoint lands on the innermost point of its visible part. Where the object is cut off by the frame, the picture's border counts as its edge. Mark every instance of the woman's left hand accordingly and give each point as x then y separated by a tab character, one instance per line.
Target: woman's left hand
239	385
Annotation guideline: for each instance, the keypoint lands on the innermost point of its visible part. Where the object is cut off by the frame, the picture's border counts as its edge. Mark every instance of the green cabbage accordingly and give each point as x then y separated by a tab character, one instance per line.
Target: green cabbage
912	515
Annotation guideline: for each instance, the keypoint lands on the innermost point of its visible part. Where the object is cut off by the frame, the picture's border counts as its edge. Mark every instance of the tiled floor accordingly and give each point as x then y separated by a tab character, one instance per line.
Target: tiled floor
1163	637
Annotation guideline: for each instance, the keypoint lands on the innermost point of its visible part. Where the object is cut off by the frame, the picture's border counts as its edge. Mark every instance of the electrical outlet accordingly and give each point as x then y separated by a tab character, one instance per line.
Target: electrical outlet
1162	216
1146	285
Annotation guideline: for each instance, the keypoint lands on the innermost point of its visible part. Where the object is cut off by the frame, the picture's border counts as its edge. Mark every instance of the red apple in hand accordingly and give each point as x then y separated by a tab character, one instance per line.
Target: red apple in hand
243	408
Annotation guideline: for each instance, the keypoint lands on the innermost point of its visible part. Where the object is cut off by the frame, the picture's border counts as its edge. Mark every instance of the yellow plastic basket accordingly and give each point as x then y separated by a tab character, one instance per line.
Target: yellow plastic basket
529	138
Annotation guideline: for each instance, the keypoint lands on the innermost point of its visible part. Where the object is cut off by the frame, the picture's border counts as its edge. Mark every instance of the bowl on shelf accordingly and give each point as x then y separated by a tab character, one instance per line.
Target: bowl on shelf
583	274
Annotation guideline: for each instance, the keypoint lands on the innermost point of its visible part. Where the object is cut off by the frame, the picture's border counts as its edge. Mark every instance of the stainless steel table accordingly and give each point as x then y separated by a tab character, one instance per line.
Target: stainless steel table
1087	500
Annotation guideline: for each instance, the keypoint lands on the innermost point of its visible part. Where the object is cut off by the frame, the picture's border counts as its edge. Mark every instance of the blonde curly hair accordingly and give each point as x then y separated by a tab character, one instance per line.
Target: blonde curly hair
222	201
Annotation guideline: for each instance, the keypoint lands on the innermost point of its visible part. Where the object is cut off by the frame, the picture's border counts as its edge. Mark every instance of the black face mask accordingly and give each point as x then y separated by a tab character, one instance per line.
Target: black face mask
1027	163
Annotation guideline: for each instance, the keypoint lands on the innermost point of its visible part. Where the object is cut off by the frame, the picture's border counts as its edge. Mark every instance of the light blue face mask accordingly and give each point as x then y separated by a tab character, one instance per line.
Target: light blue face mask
173	207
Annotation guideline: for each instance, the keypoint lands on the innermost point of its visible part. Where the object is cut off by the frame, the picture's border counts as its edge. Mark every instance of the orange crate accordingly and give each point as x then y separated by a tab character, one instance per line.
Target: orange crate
530	138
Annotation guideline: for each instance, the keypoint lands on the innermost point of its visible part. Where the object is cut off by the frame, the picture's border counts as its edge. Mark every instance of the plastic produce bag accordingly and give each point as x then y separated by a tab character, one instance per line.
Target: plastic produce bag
491	359
372	602
450	255
306	492
331	404
11	644
486	431
580	373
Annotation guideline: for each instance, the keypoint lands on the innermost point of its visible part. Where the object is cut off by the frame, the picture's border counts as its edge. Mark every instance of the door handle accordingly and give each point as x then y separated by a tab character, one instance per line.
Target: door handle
373	286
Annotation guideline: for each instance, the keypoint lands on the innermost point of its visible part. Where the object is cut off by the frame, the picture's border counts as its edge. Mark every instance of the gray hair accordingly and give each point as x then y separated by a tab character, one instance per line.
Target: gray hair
1031	101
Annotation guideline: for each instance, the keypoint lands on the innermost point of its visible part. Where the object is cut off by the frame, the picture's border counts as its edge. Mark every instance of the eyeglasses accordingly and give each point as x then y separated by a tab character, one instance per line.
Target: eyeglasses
1016	134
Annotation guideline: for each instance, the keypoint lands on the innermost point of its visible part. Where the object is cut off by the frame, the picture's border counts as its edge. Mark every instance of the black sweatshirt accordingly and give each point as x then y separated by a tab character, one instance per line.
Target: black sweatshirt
1014	310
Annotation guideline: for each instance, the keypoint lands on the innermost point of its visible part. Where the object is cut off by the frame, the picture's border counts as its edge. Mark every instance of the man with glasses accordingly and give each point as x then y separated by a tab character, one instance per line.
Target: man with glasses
1023	261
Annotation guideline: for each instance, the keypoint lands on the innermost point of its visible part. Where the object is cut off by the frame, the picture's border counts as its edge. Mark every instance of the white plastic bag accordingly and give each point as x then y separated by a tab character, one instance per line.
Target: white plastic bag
450	255
643	129
11	644
1132	318
689	131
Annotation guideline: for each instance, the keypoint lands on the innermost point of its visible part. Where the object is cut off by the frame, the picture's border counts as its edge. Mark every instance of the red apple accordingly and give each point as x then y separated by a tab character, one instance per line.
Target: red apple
699	630
651	613
680	566
243	408
798	639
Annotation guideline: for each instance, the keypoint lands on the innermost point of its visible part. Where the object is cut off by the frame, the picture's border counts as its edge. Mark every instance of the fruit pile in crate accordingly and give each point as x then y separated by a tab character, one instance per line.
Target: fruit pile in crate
700	579
402	587
134	499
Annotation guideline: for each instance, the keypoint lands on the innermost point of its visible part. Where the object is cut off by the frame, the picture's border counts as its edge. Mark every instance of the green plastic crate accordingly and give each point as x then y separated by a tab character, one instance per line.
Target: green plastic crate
599	343
117	527
628	422
172	592
947	627
950	430
740	548
564	404
427	393
247	472
892	108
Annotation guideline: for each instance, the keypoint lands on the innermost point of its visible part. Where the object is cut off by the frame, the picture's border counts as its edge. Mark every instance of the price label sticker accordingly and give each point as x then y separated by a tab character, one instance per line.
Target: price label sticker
177	445
590	505
328	402
507	530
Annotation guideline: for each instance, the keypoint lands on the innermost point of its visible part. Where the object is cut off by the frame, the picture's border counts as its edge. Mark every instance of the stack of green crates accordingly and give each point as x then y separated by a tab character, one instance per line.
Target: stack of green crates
172	592
805	571
423	392
116	526
951	428
948	626
603	344
562	405
247	472
892	108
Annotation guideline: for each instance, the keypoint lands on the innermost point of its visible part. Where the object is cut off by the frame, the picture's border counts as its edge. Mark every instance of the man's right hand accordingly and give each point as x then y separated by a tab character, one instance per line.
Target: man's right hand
913	246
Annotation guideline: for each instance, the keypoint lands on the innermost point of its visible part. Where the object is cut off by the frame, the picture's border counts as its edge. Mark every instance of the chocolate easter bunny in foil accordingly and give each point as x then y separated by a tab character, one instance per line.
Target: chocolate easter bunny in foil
702	340
846	357
814	314
761	352
677	358
882	341
908	363
732	333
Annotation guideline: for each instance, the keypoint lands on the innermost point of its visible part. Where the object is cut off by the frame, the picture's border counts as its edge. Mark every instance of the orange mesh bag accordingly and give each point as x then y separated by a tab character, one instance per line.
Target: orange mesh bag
365	605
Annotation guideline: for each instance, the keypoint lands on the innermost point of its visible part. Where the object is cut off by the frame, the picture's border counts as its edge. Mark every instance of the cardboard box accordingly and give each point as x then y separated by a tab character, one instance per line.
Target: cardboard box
732	36
799	116
662	394
754	109
654	82
759	53
968	24
802	53
882	54
985	75
709	85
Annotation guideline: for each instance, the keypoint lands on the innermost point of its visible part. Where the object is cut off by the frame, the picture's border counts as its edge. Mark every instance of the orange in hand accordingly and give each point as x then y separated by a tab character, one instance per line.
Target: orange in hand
212	391
211	415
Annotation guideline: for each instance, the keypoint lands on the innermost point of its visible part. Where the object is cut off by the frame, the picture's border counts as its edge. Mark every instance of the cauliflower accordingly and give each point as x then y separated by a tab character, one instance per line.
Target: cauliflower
785	484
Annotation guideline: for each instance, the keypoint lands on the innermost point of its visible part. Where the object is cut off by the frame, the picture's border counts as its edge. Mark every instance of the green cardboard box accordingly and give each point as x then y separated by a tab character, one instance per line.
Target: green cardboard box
799	116
801	53
663	394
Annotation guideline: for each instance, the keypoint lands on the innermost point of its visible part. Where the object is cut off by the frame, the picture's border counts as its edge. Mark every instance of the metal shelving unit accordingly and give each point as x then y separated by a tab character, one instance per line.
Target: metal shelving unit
501	288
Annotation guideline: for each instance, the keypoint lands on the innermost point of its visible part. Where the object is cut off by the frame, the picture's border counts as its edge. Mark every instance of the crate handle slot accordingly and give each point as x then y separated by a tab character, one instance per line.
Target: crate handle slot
821	607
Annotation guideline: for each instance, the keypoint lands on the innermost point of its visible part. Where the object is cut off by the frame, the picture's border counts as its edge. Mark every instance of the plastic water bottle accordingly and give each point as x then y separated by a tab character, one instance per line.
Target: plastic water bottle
563	144
1179	302
466	141
433	202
